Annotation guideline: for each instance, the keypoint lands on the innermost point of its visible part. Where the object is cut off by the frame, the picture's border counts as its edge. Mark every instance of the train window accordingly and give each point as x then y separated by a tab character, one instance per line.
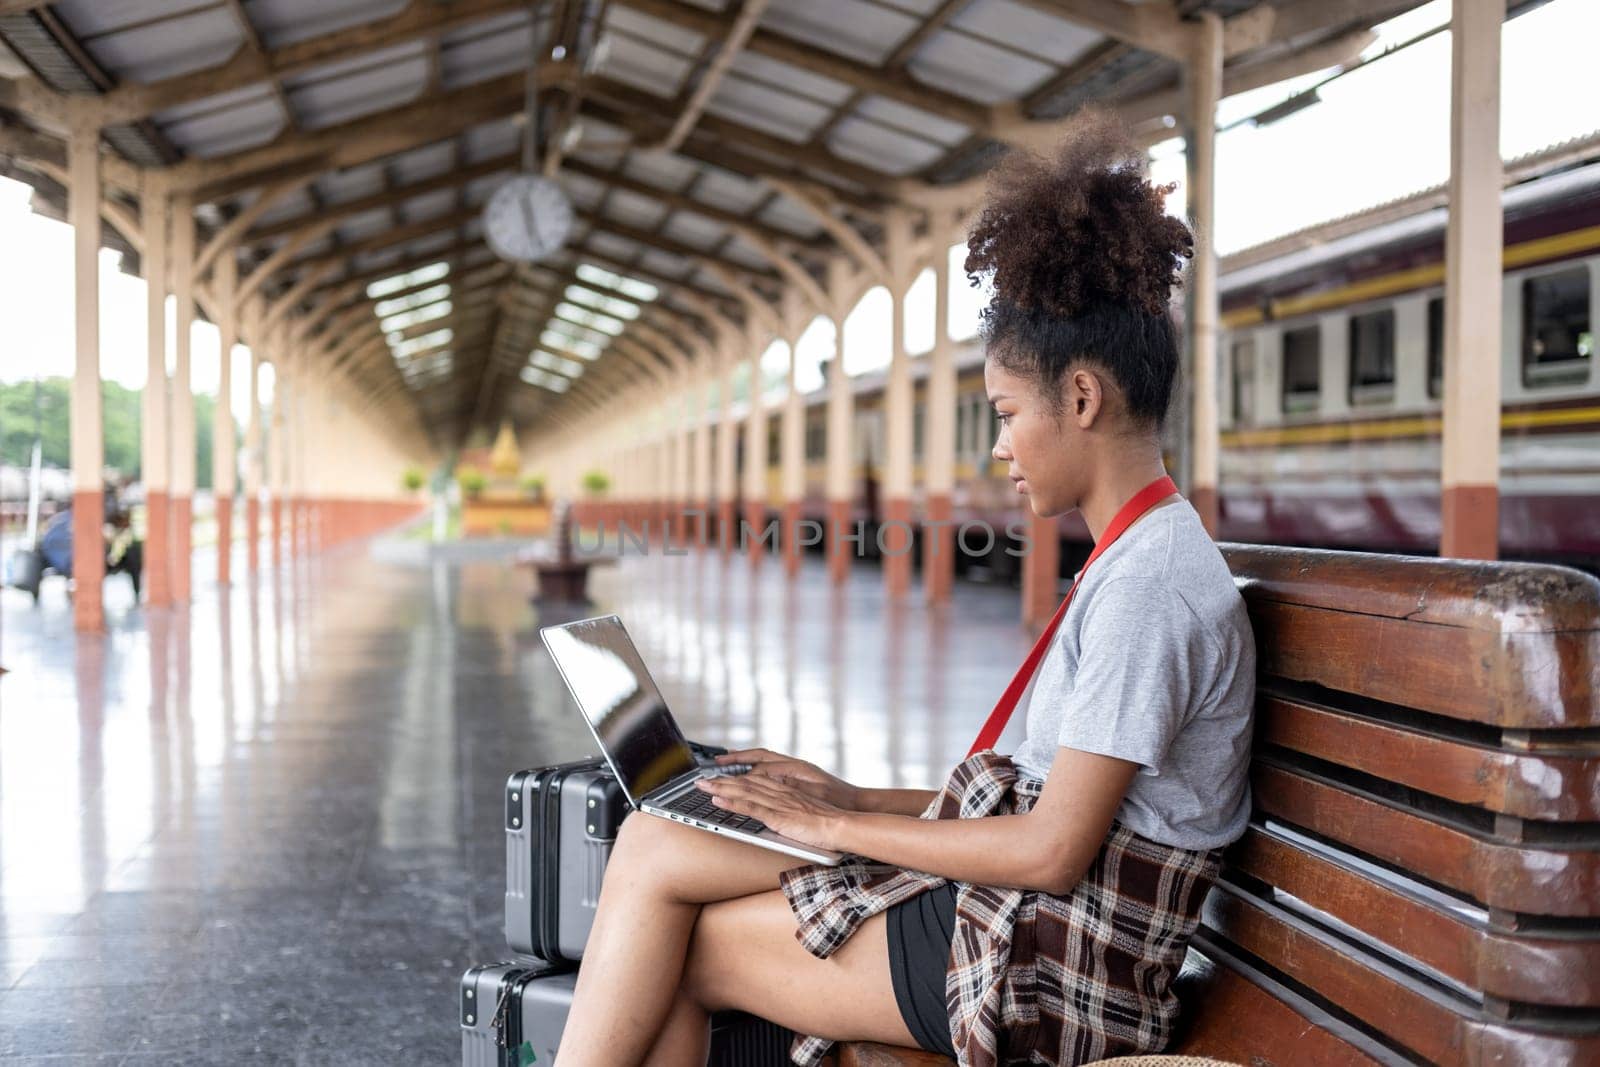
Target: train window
1372	357
1302	368
1436	347
1557	335
1244	381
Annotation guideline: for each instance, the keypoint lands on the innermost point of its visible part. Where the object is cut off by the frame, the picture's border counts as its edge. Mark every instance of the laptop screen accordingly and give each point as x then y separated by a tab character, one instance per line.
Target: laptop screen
614	691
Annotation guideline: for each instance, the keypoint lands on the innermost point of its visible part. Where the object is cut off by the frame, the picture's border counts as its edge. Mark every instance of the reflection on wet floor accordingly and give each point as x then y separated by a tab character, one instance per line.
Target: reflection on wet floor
266	828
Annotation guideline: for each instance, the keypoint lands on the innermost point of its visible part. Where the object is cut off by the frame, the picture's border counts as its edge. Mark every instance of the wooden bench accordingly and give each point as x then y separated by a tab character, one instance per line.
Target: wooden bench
1421	877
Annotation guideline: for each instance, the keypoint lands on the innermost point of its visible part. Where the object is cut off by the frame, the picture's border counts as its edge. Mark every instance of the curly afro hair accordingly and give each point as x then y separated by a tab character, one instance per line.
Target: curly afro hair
1083	258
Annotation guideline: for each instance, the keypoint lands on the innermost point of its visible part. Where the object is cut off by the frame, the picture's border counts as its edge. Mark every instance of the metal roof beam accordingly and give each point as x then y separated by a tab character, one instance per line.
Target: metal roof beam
246	67
362	140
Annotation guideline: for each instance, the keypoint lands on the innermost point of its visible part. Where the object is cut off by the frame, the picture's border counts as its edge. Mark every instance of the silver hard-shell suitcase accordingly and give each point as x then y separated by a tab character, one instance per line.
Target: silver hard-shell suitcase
512	1015
561	823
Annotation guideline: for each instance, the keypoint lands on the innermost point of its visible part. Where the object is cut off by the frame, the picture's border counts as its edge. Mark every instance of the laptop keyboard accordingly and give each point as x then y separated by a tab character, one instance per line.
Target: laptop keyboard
696	804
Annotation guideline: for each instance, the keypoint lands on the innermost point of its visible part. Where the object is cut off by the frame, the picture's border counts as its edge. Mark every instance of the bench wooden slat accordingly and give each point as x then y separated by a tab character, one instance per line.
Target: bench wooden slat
1461	640
1439	1026
1536	970
872	1054
1493	597
1235	1012
1521	878
1564	787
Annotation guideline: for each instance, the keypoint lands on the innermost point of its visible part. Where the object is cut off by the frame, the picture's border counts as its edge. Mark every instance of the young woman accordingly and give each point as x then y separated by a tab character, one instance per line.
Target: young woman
1038	909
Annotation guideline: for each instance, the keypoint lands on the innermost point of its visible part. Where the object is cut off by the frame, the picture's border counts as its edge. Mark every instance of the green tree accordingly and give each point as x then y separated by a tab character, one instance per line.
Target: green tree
120	422
19	401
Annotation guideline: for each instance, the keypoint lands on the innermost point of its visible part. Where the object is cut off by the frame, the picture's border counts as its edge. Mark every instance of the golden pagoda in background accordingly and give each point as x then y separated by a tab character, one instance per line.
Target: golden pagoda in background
505	503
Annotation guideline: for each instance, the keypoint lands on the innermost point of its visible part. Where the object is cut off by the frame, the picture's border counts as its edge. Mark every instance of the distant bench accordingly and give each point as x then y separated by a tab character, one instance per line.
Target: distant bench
1421	877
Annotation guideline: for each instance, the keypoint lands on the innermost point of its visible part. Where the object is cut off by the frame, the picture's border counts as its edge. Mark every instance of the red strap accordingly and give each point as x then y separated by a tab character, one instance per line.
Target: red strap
1130	513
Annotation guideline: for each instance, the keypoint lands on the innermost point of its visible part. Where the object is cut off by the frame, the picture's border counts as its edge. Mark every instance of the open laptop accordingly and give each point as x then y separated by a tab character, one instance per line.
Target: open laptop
642	742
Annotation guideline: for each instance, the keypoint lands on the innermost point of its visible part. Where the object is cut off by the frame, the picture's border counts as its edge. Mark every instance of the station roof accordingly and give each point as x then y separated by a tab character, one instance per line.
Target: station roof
717	152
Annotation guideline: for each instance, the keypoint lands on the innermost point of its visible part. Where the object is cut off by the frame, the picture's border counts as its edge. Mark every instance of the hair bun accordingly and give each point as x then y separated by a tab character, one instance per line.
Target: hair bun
1082	230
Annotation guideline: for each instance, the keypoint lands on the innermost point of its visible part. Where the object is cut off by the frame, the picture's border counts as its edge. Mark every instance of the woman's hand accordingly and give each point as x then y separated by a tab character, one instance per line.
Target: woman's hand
803	777
783	805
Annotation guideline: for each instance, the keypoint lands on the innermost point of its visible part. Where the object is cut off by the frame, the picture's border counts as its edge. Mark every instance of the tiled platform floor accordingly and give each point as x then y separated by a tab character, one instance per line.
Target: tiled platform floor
266	829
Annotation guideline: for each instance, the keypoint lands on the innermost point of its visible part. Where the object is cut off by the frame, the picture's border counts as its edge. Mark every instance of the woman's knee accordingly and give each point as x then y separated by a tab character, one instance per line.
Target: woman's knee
652	849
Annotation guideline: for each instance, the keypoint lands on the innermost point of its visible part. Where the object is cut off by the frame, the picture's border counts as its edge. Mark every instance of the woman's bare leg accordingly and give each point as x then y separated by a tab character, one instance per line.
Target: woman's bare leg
659	876
685	1037
743	955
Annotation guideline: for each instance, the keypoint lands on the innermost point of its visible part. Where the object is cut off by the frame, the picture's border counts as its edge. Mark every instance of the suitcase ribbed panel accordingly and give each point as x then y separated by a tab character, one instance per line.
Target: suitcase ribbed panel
595	855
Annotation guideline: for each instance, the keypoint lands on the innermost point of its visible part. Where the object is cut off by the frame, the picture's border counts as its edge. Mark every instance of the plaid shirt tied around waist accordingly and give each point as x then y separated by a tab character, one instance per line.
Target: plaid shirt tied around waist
1033	978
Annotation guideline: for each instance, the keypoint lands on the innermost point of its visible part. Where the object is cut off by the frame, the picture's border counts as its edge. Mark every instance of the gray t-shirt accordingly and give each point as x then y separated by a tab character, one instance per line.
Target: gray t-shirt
1155	663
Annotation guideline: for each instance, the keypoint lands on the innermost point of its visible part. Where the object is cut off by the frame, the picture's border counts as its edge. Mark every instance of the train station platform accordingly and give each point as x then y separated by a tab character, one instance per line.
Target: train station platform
267	827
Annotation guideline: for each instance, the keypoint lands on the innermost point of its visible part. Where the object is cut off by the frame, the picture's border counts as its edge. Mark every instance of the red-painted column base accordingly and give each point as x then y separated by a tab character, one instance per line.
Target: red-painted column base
224	539
895	543
700	529
252	532
1469	522
755	518
790	535
157	549
1041	568
727	532
276	522
88	561
1204	500
838	549
938	550
182	547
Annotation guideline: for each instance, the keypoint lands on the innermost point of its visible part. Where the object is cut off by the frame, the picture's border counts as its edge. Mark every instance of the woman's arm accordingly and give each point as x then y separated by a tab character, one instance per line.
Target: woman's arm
1047	849
911	802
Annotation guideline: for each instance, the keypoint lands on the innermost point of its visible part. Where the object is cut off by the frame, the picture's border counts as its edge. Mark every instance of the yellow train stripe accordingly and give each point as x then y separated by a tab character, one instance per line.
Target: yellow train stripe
1518	255
1421	426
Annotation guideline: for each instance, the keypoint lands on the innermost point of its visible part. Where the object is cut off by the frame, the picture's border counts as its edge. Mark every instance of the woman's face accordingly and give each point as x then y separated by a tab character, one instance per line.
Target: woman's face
1039	447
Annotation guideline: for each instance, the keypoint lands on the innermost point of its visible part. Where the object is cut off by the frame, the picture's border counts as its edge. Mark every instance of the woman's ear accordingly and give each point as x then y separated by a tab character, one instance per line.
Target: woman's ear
1085	396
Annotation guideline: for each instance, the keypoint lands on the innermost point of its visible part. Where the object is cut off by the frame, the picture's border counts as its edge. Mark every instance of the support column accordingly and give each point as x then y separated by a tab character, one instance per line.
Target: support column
223	483
1470	501
1204	84
700	415
755	445
183	440
895	532
155	433
252	447
792	439
277	469
939	443
840	487
88	452
727	465
1041	569
686	497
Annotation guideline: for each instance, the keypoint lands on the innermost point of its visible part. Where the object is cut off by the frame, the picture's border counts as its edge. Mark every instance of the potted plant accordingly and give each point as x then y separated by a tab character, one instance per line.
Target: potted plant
472	482
413	479
595	483
533	485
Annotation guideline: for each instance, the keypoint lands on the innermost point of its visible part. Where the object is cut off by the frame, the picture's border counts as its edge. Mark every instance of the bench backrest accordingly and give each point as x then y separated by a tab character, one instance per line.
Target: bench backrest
1421	878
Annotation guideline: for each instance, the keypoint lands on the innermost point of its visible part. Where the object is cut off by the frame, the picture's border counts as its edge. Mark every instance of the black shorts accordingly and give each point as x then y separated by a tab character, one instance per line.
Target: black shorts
920	931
